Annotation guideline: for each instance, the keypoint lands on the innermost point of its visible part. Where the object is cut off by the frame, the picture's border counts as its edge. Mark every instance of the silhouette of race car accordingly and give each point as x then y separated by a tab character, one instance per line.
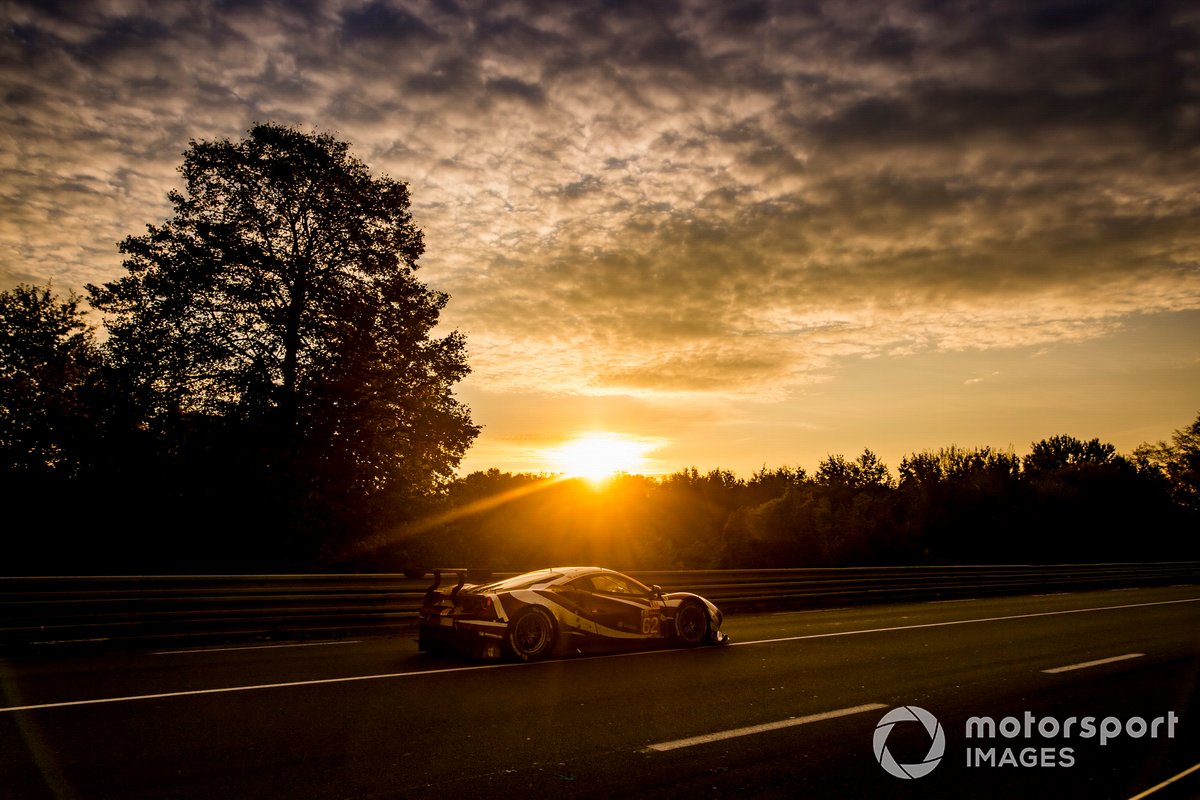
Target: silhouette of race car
557	611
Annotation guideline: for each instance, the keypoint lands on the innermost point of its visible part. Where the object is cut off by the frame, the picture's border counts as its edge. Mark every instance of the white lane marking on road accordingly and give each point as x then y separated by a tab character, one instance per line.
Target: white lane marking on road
477	667
1095	663
663	747
1166	783
229	689
190	650
959	622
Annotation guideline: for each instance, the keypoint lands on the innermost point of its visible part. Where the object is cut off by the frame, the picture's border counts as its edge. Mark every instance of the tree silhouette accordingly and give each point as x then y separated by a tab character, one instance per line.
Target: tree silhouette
967	505
277	312
48	363
1178	463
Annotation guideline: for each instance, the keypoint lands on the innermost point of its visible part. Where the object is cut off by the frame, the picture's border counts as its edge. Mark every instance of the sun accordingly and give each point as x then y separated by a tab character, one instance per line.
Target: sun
598	456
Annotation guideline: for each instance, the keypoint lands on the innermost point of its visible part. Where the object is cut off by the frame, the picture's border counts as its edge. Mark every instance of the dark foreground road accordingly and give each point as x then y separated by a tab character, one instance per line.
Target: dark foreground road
789	710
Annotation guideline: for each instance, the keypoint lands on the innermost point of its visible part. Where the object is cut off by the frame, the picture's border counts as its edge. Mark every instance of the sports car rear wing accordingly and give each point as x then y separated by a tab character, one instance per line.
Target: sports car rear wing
462	573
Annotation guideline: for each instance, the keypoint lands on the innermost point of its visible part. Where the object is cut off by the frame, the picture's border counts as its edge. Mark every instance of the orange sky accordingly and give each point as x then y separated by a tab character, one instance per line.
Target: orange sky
739	234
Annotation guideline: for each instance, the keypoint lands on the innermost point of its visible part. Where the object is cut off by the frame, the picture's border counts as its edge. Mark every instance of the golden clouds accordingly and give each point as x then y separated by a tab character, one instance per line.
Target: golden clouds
678	198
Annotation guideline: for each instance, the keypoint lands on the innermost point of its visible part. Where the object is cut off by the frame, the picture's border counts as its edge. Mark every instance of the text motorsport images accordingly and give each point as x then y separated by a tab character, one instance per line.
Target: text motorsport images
986	738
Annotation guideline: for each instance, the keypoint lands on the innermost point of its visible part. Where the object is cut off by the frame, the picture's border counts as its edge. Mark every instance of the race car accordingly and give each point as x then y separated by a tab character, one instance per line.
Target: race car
558	611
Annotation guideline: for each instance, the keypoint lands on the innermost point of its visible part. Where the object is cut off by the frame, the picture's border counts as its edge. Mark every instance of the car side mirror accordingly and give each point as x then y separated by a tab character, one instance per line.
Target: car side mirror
656	591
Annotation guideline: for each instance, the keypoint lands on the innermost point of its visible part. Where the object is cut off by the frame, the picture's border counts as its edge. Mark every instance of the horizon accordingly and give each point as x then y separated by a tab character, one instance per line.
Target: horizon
550	462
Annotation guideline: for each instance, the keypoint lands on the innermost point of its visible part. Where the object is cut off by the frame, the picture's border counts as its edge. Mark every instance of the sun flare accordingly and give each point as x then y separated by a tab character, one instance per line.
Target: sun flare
598	456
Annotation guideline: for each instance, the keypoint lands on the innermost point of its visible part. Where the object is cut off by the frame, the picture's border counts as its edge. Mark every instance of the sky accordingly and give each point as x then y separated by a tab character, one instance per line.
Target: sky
734	235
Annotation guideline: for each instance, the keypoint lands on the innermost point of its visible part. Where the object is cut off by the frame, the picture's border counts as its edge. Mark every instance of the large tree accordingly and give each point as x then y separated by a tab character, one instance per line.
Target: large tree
280	302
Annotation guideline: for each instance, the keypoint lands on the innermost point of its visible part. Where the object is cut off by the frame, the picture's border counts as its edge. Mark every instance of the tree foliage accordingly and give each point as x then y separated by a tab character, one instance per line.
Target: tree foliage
1177	463
48	367
282	294
271	386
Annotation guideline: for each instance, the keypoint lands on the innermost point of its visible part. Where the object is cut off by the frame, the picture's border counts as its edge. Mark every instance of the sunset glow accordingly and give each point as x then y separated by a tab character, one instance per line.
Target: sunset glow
598	456
764	232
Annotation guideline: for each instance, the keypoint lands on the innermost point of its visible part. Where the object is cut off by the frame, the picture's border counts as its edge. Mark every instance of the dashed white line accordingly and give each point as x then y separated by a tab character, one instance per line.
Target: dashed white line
733	733
1096	663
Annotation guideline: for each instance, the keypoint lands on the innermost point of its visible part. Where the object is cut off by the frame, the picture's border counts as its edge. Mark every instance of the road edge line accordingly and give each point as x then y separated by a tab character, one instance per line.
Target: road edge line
1167	782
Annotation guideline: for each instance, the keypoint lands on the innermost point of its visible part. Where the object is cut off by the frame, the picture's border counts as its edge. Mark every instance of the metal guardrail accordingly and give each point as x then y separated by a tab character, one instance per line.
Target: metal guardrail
130	609
867	584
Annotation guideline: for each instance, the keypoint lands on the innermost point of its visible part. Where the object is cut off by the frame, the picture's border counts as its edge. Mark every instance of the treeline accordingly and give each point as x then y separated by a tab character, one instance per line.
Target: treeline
97	475
92	482
1067	500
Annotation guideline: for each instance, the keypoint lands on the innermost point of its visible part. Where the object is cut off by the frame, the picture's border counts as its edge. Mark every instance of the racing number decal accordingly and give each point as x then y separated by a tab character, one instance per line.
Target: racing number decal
651	623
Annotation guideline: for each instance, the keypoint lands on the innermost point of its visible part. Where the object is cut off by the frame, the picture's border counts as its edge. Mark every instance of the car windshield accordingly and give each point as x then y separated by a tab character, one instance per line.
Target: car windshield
520	581
612	583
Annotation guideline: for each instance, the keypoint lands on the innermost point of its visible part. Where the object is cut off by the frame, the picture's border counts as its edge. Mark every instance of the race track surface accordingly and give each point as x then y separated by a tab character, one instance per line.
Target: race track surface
789	709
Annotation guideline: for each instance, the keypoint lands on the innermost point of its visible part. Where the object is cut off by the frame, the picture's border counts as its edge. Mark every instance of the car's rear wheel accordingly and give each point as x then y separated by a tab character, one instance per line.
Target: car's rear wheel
531	635
691	624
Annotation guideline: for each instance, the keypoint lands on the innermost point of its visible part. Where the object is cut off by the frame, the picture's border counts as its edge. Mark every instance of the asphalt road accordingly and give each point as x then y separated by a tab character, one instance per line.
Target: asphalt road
789	709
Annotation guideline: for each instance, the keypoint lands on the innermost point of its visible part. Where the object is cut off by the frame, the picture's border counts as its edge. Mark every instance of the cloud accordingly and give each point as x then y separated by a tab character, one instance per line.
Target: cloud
661	198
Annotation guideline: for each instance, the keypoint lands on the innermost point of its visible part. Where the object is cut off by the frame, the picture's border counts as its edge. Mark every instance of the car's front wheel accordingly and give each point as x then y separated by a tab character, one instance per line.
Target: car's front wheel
691	624
531	635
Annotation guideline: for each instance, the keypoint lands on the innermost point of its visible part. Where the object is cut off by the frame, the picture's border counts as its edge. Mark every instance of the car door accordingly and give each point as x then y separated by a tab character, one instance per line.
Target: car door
577	598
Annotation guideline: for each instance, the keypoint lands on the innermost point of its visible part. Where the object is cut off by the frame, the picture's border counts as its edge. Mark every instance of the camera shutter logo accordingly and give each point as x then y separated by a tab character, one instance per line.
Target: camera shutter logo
937	742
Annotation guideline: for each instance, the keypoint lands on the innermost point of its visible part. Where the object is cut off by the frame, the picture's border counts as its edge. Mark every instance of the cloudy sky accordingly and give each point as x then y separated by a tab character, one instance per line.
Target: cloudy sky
737	234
